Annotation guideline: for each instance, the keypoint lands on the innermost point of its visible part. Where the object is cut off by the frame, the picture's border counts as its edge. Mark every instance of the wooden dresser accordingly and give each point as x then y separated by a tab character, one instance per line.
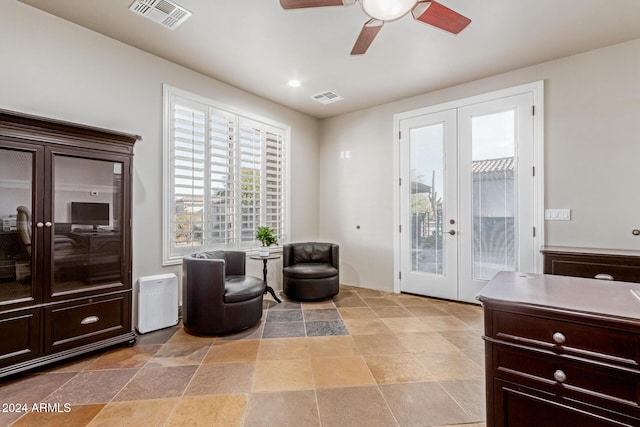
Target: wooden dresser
606	264
64	290
561	351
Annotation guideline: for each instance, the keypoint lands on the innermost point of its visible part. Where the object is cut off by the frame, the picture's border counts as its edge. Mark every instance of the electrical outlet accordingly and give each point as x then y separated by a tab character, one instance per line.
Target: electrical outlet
557	214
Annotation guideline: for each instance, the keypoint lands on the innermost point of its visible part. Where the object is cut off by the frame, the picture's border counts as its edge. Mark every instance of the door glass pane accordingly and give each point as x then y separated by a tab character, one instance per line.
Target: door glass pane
87	238
16	172
427	179
493	194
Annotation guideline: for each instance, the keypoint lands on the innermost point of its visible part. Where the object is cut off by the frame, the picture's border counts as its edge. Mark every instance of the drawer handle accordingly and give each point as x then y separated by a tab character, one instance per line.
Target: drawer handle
89	320
603	276
559	337
560	376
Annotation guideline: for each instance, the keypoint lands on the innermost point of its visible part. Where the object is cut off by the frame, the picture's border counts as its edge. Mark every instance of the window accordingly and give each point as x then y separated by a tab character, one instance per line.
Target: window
225	175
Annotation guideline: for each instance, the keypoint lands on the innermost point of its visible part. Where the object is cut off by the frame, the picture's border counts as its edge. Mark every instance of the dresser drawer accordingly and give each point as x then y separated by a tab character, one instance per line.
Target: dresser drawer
595	269
85	321
583	381
623	266
520	406
592	342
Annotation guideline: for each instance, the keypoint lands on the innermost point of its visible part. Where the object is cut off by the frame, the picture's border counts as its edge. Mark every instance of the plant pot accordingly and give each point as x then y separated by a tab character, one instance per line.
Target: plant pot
263	251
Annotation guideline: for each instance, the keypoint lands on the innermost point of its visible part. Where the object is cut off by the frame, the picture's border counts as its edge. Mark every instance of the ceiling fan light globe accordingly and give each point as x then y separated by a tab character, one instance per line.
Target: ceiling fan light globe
387	10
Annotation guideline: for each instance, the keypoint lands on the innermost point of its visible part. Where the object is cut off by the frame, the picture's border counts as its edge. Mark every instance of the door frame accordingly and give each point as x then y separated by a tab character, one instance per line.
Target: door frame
537	91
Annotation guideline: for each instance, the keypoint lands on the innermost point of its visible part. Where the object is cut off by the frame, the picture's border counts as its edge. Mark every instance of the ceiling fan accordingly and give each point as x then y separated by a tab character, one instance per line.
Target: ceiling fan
429	12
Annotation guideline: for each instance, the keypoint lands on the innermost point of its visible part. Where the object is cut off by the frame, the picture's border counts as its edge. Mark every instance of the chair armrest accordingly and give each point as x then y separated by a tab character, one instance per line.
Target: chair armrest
335	256
287	255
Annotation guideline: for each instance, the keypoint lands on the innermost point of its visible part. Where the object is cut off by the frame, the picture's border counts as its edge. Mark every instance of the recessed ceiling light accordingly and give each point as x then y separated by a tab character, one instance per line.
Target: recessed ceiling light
294	83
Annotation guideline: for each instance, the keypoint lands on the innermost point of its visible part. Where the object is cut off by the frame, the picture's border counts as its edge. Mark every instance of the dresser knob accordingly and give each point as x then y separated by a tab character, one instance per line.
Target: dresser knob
560	376
559	337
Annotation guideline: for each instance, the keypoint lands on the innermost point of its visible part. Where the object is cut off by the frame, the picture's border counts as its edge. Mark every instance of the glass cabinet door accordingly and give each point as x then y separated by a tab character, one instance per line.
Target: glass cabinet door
17	247
86	237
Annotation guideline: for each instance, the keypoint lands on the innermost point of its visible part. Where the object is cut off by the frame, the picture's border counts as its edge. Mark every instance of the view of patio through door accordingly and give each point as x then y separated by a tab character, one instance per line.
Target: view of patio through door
466	196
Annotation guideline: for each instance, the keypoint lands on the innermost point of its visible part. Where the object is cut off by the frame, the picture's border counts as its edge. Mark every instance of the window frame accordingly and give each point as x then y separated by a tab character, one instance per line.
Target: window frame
169	255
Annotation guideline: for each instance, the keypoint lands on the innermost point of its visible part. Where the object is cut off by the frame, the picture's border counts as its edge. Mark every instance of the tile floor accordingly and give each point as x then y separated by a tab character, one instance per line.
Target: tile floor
365	358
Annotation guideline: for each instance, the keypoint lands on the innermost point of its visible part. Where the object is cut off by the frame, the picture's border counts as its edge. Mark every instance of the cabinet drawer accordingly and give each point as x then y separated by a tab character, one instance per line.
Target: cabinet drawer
519	406
583	381
614	265
85	321
609	345
20	336
595	269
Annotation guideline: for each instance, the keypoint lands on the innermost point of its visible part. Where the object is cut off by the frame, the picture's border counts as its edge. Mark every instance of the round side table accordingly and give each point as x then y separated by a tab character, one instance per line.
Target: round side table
265	260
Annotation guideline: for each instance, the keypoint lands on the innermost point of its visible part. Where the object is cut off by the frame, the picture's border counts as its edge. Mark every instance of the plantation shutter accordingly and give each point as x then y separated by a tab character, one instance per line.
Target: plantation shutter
274	197
223	191
188	167
262	173
225	177
251	180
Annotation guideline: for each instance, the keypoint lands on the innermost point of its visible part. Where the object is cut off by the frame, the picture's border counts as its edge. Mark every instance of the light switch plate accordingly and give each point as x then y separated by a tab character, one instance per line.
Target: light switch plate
557	214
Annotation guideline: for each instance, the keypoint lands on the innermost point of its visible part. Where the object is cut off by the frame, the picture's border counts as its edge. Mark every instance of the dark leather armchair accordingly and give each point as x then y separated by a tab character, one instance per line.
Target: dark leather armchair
217	296
310	271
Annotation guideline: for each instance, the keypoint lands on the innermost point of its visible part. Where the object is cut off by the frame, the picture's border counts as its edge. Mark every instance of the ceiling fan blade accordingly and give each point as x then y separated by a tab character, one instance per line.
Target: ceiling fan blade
300	4
440	16
367	34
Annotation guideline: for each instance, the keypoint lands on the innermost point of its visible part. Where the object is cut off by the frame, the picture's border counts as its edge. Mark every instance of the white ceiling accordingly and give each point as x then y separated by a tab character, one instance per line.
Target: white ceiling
257	46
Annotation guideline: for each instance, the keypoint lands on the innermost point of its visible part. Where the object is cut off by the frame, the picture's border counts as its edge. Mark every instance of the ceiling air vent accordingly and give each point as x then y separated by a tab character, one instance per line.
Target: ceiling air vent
327	97
164	12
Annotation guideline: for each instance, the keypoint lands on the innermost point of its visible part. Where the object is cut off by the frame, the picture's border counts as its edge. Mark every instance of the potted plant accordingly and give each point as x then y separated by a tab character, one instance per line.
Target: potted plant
265	235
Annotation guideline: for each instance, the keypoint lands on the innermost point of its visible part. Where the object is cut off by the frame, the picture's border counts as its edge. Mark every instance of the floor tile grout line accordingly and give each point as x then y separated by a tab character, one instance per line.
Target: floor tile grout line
457	403
177	403
315	394
369	368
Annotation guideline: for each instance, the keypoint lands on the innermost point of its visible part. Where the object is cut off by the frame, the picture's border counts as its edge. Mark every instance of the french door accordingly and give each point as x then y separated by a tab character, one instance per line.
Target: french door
467	196
429	205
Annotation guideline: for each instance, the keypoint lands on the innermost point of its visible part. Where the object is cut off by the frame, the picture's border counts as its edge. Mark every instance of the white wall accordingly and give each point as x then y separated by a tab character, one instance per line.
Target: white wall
592	151
50	67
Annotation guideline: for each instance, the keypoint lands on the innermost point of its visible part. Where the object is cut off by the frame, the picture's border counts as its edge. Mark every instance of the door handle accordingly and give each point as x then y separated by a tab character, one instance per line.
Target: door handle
451	232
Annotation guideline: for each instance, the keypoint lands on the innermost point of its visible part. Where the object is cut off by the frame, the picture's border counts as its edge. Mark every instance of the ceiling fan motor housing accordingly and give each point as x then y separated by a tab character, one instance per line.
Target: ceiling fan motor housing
387	10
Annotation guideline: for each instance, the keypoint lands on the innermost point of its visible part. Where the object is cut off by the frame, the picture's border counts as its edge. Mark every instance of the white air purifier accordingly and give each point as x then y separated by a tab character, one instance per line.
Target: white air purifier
157	302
